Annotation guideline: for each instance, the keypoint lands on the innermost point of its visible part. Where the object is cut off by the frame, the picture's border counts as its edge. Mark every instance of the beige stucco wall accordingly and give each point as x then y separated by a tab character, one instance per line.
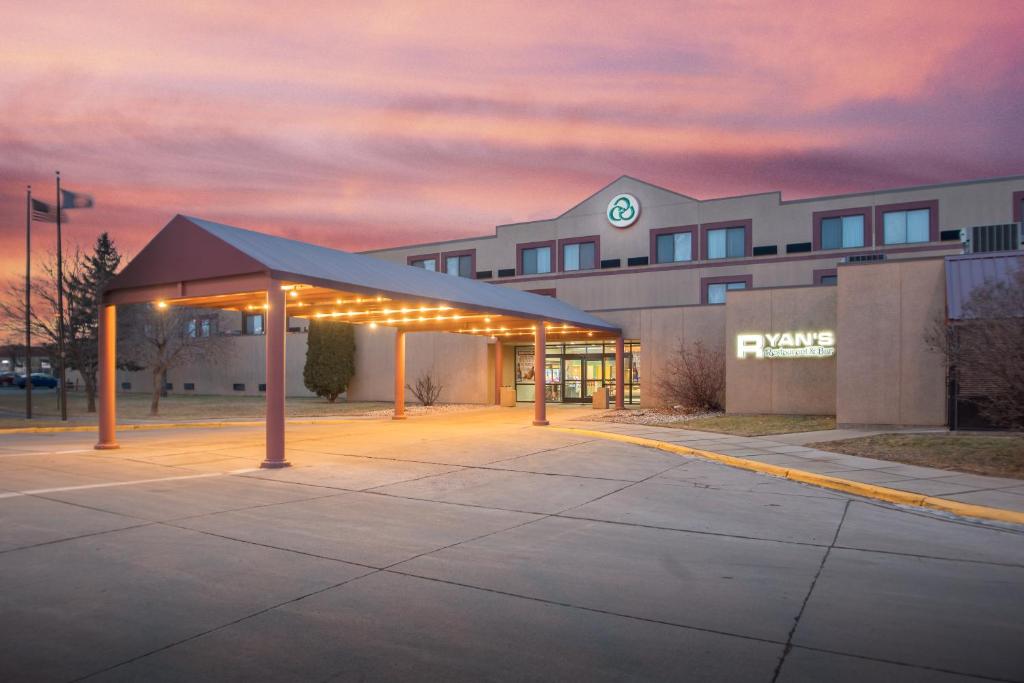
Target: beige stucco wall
774	222
883	312
242	362
662	330
460	362
801	386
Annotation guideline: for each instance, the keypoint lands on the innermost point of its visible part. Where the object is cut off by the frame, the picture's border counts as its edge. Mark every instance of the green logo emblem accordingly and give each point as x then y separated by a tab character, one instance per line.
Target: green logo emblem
623	210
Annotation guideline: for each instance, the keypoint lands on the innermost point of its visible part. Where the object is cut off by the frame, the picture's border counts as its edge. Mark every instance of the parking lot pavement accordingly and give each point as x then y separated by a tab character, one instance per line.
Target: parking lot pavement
470	547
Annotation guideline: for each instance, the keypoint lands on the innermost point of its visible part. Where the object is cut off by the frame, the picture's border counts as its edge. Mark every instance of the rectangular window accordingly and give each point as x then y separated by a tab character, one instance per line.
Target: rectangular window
424	263
674	247
906	227
253	323
727	243
579	256
200	327
842	232
536	260
829	280
717	291
461	266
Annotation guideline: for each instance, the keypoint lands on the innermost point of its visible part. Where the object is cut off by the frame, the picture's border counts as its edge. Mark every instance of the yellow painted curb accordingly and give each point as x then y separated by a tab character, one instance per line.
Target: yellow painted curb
825	481
164	425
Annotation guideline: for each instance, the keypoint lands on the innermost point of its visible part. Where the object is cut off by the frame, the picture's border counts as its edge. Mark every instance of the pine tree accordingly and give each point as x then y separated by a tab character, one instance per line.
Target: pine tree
83	290
330	358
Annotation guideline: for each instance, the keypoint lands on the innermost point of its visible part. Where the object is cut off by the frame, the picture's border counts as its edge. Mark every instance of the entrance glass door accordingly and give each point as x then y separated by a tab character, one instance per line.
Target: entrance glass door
573	379
594	377
553	379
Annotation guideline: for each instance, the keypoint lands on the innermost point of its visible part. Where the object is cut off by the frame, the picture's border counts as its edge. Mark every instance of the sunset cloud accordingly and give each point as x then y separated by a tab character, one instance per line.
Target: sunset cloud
362	125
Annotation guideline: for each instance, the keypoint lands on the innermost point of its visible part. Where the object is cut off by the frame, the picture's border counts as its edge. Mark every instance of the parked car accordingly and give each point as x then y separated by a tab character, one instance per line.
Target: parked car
8	378
38	380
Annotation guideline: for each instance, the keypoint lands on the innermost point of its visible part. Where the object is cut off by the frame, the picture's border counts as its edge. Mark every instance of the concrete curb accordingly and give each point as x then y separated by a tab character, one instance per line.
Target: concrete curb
825	481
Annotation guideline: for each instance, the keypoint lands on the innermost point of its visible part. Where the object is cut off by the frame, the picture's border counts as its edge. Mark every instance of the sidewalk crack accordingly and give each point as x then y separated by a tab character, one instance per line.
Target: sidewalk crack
803	606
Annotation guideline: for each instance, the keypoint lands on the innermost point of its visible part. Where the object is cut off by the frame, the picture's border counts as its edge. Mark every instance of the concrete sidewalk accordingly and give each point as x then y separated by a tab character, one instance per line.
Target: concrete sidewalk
786	450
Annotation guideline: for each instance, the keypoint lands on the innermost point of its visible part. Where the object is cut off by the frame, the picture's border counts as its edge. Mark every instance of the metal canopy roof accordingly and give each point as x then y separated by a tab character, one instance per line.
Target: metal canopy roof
966	273
324	282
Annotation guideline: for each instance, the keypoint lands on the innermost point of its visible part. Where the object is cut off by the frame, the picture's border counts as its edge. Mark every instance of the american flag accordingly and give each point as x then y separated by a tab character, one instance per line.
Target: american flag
45	212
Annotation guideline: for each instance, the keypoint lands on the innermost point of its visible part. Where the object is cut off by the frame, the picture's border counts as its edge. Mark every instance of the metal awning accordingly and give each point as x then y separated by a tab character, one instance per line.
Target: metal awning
191	261
967	272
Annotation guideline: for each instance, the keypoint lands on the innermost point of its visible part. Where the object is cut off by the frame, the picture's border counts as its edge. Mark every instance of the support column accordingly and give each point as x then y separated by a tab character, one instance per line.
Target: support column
539	352
275	329
107	377
620	375
399	375
499	374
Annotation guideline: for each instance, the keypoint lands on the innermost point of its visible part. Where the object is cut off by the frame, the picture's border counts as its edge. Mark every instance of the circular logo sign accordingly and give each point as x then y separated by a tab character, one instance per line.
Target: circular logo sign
623	210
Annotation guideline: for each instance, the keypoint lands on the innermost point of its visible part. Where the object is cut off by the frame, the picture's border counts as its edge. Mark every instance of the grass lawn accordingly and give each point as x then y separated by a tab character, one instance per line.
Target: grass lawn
1000	455
757	425
135	407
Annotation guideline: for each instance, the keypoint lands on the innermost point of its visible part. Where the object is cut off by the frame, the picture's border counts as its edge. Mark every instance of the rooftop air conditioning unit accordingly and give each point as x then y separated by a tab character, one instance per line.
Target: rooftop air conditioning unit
864	258
987	238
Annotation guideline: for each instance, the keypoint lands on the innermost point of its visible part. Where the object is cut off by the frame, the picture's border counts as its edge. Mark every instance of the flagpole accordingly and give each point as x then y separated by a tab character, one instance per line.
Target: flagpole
28	303
63	393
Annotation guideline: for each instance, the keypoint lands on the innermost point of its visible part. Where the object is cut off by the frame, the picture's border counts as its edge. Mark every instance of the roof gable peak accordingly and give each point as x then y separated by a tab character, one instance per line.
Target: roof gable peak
626	184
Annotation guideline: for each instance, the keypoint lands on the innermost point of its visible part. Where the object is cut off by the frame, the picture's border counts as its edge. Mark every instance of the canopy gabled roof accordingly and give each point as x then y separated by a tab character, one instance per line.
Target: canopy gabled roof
190	250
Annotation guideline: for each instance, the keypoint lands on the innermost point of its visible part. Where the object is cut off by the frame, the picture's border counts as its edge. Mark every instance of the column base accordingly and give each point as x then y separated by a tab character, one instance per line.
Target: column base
106	446
398	417
274	464
540	423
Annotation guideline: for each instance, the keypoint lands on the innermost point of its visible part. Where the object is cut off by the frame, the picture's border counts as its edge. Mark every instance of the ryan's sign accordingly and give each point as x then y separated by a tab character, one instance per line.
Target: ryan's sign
820	344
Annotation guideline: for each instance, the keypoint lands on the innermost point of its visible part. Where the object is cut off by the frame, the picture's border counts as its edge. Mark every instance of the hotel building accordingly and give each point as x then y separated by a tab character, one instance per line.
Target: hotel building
866	272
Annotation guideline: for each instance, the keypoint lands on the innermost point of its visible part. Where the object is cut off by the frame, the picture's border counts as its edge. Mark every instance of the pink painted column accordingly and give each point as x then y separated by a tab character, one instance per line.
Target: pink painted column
539	408
499	374
107	377
275	329
399	375
620	375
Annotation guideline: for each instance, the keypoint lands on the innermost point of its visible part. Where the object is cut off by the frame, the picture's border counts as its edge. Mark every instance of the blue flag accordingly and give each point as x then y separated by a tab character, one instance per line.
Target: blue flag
75	200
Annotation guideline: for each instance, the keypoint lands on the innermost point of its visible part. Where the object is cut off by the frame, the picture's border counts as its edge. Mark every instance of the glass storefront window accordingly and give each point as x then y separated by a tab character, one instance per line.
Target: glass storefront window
574	370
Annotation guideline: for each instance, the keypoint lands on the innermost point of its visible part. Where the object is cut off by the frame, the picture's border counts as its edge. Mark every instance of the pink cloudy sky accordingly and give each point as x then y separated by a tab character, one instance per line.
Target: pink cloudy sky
370	124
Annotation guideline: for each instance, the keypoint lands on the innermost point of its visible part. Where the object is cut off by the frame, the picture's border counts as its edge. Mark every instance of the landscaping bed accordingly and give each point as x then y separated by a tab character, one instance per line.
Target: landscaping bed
997	455
757	425
134	407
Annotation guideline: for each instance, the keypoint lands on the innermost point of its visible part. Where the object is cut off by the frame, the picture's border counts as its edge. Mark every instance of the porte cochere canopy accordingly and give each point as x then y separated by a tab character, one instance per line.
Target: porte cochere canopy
198	263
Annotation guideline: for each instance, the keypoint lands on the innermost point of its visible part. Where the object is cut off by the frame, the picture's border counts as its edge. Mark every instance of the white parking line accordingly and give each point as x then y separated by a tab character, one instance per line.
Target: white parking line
16	494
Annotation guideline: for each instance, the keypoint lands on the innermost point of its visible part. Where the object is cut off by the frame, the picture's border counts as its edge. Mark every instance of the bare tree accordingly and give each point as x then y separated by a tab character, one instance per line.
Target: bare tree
161	339
85	276
45	319
693	377
984	350
44	307
427	389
